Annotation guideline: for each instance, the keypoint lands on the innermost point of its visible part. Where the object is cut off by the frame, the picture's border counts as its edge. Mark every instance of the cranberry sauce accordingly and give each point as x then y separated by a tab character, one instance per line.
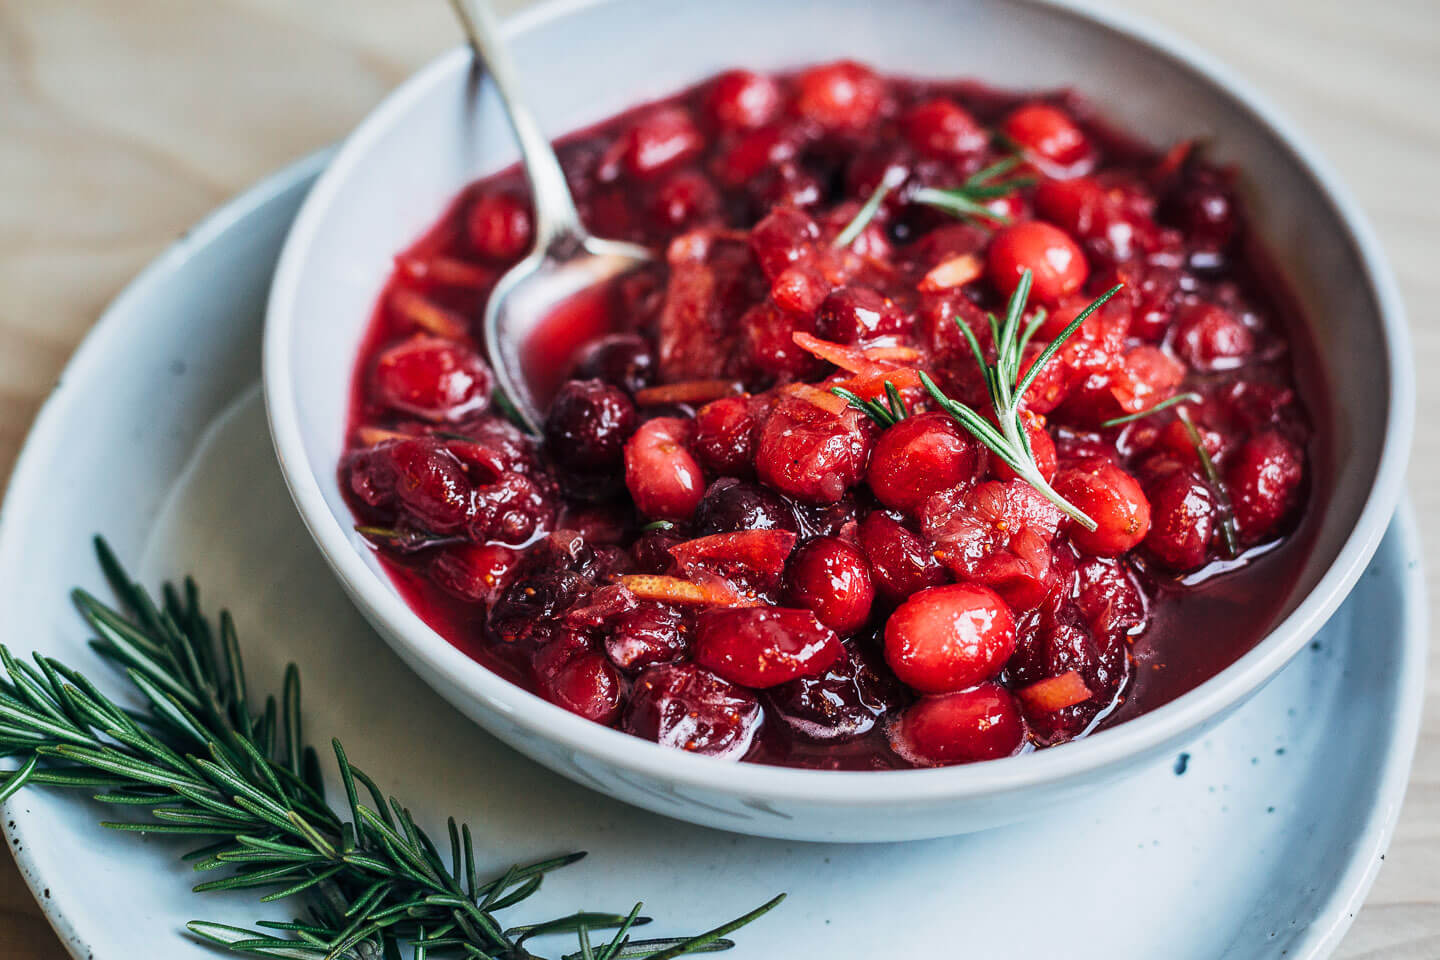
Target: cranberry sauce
752	527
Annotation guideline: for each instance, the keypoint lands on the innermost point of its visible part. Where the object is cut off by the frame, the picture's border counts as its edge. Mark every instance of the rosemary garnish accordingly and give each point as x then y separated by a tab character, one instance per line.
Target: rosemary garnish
885	414
1227	521
207	764
894	176
967	201
1165	404
1007	387
658	525
501	401
405	540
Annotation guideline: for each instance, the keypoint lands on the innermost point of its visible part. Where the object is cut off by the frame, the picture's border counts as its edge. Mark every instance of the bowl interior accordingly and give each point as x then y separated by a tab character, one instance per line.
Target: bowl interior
444	128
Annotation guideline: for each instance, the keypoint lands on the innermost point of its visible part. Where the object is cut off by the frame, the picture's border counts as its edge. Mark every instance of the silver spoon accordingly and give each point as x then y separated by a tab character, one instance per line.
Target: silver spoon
566	258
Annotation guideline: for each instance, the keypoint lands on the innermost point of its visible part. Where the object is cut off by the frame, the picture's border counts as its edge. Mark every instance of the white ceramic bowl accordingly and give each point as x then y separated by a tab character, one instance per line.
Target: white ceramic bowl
583	61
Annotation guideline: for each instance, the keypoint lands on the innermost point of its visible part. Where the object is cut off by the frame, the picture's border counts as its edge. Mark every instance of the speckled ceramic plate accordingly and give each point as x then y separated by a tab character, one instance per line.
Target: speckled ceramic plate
1260	841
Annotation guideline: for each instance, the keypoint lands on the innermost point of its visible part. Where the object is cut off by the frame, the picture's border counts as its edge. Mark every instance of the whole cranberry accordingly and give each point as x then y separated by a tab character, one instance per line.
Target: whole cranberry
662	476
430	485
685	707
1110	497
1204	208
784	238
984	723
920	456
811	454
1047	133
768	348
686	197
799	290
764	646
840	704
1057	265
587	426
661	139
726	433
625	360
1182	520
1264	478
942	128
588	685
498	226
831	578
901	561
742	100
855	314
473	571
1211	338
730	505
648	634
949	638
842	97
433	378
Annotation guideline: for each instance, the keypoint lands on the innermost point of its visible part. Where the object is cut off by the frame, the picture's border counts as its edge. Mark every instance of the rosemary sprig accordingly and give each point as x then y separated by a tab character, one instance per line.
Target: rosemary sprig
207	764
1227	513
405	540
894	176
1165	404
1007	387
886	414
967	201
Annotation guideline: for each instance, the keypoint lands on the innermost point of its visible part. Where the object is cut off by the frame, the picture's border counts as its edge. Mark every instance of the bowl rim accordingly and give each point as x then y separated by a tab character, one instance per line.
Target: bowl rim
413	638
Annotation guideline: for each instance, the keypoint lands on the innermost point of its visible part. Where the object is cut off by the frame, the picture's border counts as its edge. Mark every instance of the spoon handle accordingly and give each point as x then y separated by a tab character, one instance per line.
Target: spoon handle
555	214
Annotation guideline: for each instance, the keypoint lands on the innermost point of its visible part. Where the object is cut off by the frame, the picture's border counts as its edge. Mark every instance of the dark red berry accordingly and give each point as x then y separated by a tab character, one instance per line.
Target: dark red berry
764	646
686	707
963	727
948	638
831	577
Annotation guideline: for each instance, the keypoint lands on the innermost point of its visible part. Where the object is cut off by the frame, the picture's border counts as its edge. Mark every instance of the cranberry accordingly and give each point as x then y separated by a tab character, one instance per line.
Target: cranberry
839	97
433	378
746	157
1110	497
726	434
1047	133
741	100
984	723
782	239
1056	263
588	424
472	571
998	534
587	685
685	707
754	560
768	347
730	504
811	454
1204	208
838	705
1263	478
1182	520
831	577
661	139
1073	205
419	477
1042	449
764	646
941	128
799	290
948	638
1210	338
855	314
647	634
663	477
686	197
920	456
1145	376
623	359
499	226
901	561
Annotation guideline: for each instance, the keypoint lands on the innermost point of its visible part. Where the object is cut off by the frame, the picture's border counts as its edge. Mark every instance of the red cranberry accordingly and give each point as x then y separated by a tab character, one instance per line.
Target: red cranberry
782	239
753	560
648	634
963	727
1047	133
588	424
499	227
1110	497
901	561
920	456
799	290
1073	205
746	157
726	434
811	454
664	479
1204	208
1182	520
661	139
684	707
841	704
730	505
840	97
764	646
768	347
856	314
948	638
587	685
1211	338
623	359
472	571
686	197
831	577
420	477
1057	265
742	100
998	534
941	128
1263	479
1110	599
433	378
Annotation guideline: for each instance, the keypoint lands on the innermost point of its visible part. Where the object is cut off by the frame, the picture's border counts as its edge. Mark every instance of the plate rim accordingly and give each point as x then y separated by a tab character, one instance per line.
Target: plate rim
1332	918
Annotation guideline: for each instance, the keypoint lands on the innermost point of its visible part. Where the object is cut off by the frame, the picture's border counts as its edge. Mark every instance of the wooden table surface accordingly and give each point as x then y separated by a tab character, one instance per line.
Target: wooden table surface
124	121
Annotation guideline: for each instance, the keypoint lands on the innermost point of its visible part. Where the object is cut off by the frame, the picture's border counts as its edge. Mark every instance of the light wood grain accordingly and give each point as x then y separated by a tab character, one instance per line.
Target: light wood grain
124	121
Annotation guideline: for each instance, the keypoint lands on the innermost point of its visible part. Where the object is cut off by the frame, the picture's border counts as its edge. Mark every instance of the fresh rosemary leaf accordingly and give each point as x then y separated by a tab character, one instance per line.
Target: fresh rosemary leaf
894	176
1165	404
1227	514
